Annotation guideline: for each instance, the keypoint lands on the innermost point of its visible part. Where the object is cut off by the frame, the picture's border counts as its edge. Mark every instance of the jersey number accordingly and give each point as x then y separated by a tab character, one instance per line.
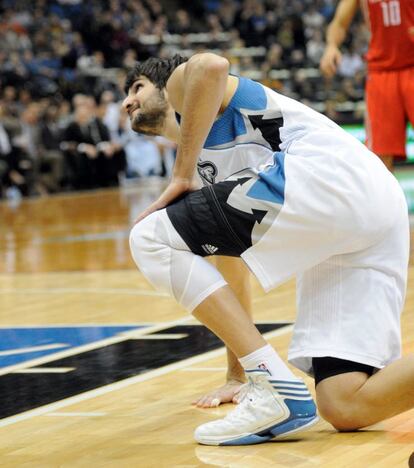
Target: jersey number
391	13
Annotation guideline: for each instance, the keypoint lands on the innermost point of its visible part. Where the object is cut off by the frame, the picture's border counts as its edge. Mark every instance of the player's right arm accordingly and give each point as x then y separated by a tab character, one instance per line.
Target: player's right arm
196	90
335	36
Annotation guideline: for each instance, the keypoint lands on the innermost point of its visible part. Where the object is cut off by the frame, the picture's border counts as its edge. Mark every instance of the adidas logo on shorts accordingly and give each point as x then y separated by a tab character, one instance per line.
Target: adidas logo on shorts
209	249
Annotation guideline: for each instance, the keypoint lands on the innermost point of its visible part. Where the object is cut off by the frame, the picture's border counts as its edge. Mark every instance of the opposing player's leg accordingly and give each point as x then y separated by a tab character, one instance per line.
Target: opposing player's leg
385	121
388	160
407	90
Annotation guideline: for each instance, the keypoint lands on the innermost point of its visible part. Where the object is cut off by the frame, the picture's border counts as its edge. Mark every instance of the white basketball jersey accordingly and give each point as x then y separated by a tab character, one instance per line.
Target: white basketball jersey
319	204
317	181
259	122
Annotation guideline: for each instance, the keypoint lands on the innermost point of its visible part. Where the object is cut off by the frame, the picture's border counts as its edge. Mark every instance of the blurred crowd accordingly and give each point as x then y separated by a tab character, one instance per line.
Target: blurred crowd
63	64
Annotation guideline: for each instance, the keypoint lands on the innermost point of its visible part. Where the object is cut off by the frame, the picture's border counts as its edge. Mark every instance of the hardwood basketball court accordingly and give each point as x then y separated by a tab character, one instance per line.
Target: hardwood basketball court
97	369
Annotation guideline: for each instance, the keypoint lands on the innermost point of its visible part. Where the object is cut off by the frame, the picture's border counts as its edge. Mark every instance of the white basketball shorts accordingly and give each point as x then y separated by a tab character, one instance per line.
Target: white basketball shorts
339	224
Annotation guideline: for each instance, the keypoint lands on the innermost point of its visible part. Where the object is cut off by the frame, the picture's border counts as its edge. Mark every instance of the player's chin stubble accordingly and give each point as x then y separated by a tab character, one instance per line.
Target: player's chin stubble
150	120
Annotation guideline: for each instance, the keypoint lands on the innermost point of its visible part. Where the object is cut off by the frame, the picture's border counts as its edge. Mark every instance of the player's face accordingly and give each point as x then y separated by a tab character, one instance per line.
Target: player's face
146	106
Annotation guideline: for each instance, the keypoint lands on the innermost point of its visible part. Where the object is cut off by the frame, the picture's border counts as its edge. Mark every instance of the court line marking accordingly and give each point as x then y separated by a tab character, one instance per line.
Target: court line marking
147	183
117	324
115	271
77	414
45	370
127	382
33	349
85	237
82	325
160	336
126	291
90	346
203	369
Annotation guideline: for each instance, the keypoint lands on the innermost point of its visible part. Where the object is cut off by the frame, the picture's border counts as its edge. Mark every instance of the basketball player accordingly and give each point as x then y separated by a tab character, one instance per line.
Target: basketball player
390	81
291	193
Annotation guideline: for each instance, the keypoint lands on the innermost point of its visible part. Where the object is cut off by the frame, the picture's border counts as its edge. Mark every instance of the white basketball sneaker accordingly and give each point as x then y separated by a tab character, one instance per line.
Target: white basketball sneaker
269	408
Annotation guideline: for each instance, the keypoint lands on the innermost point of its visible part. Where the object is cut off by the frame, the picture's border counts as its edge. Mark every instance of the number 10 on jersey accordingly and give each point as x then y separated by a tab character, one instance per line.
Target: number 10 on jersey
391	13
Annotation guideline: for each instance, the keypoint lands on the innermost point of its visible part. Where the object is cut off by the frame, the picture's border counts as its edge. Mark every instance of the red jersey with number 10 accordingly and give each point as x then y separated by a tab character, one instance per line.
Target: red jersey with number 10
392	33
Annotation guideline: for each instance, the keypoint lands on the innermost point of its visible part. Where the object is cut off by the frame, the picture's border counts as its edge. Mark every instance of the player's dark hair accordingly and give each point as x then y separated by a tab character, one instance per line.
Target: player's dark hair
157	70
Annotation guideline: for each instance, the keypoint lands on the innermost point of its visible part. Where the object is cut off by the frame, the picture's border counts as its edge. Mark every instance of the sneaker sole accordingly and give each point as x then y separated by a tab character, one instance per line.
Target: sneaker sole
279	431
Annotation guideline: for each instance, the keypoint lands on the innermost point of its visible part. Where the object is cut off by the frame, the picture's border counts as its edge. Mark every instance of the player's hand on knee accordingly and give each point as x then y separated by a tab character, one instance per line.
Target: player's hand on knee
175	189
228	393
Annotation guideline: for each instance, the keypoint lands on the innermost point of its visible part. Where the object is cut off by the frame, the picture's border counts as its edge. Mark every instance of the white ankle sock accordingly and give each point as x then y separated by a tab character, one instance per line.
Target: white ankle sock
267	358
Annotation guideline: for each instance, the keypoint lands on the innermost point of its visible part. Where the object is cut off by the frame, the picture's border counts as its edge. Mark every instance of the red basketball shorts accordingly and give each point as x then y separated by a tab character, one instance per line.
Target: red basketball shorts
390	105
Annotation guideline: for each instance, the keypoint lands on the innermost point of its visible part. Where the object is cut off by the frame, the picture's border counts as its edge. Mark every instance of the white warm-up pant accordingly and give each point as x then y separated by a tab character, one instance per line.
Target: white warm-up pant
166	261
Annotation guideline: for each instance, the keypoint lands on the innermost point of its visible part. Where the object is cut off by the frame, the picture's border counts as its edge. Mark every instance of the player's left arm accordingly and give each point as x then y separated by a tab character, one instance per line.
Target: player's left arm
196	90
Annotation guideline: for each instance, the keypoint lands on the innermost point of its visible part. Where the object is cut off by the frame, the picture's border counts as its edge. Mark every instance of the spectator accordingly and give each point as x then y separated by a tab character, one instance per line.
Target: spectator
92	159
51	155
315	47
63	49
16	169
182	23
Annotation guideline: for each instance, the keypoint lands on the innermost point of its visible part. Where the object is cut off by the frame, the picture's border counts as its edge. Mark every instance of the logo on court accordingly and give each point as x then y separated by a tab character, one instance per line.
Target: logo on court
62	362
22	344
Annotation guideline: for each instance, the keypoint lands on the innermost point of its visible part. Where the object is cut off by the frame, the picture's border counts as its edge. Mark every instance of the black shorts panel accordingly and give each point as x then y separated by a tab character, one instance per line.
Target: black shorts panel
324	367
241	223
198	222
211	226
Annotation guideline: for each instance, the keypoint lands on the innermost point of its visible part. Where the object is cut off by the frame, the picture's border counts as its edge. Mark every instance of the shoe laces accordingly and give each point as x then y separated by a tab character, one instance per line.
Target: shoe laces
249	390
248	394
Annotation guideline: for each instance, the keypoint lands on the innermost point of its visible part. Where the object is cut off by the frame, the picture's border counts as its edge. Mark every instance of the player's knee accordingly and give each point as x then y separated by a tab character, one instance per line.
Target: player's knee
341	414
148	250
142	239
349	411
342	401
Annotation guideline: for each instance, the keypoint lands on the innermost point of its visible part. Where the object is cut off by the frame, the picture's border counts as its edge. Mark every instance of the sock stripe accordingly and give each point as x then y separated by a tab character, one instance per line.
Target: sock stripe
303	394
307	396
288	382
288	387
292	392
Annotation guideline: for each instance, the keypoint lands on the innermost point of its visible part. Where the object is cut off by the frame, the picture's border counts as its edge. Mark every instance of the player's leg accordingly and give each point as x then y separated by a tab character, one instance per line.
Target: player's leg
385	118
388	160
237	275
407	90
352	400
348	332
196	284
275	402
